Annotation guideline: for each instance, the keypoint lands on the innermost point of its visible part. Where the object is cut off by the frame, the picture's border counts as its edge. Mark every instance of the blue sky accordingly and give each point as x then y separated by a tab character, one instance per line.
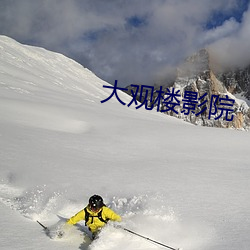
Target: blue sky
134	41
218	17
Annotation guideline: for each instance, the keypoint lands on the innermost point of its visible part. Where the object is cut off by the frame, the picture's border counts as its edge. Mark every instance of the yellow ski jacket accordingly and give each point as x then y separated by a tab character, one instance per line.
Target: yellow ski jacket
94	223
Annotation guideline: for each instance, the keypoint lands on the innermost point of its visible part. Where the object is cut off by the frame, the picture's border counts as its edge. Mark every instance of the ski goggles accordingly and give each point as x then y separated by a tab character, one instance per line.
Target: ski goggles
94	208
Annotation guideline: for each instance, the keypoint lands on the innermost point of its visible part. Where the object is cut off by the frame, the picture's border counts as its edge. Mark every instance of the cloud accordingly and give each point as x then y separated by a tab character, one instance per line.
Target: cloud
233	49
228	28
132	41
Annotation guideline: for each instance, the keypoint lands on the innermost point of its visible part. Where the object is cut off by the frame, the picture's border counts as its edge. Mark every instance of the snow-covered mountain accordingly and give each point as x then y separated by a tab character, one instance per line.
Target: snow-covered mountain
199	74
182	185
237	81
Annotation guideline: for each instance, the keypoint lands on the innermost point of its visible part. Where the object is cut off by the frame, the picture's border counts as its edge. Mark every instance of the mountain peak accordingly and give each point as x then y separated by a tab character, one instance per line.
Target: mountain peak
198	63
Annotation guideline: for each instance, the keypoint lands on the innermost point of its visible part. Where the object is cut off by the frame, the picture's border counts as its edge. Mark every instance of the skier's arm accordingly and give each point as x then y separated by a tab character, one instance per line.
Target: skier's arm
110	214
77	217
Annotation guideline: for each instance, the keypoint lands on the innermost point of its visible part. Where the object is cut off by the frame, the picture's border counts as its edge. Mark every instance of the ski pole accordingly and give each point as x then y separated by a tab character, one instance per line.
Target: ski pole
146	238
45	228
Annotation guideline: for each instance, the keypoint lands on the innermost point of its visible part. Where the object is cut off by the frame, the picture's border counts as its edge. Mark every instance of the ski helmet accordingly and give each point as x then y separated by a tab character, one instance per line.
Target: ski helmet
95	202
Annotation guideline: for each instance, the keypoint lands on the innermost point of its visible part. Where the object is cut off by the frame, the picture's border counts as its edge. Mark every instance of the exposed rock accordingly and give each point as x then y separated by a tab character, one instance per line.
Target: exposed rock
238	120
196	74
237	81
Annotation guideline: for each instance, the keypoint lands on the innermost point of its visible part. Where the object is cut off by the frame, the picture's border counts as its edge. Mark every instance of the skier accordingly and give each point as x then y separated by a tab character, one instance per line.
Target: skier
95	214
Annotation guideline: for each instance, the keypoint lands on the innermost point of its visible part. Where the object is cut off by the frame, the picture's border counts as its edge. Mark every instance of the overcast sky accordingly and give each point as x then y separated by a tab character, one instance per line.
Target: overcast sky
133	41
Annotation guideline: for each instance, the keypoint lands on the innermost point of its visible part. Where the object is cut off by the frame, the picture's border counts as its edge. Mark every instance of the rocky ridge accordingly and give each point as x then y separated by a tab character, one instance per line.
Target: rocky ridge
196	75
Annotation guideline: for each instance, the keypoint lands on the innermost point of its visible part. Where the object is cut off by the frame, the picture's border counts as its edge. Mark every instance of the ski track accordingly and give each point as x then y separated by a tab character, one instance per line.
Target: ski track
139	215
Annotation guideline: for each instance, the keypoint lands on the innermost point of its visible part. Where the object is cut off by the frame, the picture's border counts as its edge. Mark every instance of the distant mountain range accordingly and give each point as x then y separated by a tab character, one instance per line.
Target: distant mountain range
199	81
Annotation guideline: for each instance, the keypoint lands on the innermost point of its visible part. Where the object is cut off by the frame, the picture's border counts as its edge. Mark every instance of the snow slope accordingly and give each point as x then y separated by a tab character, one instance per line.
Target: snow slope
176	183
